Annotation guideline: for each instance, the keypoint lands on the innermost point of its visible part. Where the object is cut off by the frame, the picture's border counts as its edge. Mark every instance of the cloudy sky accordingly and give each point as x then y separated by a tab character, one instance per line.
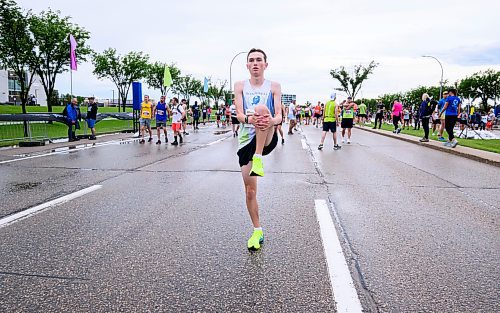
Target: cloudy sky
304	40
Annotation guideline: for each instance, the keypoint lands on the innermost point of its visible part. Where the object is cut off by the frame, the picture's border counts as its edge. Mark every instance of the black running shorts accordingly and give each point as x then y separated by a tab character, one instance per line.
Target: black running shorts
234	120
330	126
246	153
346	123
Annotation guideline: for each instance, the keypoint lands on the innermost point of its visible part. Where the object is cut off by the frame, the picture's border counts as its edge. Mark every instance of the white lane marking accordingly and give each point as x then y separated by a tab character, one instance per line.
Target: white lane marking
217	141
343	289
304	144
42	207
66	151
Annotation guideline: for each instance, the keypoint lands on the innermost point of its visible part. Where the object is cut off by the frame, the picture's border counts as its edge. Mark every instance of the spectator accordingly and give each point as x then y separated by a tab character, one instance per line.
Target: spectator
92	117
71	113
379	116
416	118
484	120
426	109
490	120
406	118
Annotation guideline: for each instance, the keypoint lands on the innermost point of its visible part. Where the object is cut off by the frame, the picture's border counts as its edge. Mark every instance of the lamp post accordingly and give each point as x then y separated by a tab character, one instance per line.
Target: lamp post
230	71
441	82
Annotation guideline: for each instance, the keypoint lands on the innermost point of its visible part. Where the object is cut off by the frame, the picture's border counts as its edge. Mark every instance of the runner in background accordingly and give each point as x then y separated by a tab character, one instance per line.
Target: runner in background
235	124
178	115
317	114
291	117
195	112
362	114
347	119
145	120
161	114
330	122
397	114
442	117
184	117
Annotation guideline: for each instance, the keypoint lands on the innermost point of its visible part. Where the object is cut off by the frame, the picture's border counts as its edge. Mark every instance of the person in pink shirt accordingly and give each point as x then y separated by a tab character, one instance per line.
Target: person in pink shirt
397	112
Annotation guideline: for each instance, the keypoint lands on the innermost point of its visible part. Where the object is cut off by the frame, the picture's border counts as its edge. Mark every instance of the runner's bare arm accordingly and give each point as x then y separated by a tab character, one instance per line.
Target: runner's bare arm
238	101
276	91
444	108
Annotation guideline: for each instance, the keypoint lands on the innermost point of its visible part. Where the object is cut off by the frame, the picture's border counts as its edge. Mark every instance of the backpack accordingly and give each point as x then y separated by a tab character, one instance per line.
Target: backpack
431	106
65	111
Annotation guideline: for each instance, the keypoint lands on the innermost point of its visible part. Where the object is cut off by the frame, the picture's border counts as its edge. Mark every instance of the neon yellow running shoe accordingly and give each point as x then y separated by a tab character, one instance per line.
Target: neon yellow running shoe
257	167
256	240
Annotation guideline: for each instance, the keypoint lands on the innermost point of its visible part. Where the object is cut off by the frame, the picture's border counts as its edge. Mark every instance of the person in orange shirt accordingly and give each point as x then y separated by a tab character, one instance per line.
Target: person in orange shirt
317	114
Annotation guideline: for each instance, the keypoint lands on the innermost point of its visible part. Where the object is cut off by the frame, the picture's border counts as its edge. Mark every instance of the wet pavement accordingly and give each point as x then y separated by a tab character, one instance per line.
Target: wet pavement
167	231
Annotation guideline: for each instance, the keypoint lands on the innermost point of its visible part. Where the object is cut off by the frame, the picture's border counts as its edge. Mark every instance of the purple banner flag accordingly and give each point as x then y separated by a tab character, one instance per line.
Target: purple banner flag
72	44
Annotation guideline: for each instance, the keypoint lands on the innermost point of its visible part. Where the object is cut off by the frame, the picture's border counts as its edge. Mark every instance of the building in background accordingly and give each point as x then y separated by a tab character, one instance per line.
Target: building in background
10	89
287	99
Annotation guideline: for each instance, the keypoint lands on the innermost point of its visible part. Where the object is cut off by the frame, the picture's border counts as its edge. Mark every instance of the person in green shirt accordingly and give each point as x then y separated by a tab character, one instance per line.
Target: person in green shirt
347	119
330	121
362	114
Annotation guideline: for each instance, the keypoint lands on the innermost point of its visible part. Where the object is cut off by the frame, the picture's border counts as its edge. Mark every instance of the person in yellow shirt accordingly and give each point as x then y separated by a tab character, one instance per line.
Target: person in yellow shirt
330	121
145	120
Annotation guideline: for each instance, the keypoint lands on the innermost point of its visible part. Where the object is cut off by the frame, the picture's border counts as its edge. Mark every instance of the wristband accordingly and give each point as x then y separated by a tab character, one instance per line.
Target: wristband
246	119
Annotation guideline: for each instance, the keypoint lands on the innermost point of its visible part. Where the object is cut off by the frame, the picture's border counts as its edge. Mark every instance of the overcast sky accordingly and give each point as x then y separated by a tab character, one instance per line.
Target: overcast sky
304	40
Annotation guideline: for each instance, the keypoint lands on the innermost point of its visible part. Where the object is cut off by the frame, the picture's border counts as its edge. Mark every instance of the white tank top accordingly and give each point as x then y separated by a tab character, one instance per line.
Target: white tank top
253	96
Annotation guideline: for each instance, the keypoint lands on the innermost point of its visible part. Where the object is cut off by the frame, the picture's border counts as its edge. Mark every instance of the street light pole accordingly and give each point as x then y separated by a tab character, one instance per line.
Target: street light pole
441	82
230	70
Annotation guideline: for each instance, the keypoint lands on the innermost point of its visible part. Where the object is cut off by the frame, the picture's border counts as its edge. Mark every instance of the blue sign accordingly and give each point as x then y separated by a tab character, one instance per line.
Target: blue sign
137	95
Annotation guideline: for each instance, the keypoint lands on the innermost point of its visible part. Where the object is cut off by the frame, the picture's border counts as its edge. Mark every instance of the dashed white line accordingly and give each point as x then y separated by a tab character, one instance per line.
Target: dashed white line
217	141
42	207
304	143
343	289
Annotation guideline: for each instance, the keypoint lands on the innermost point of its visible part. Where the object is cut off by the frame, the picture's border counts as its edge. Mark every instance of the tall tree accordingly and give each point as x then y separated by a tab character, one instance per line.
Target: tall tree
155	75
188	86
121	70
217	91
50	32
352	84
16	46
482	85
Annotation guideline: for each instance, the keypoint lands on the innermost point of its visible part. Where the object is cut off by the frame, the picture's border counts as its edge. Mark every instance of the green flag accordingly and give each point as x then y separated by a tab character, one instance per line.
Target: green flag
167	78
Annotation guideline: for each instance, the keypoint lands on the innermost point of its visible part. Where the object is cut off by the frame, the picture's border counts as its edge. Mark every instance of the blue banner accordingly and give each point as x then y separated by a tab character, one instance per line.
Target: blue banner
137	95
205	85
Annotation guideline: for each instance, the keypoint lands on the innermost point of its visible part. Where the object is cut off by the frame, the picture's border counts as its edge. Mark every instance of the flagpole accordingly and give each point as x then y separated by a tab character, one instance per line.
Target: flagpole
71	82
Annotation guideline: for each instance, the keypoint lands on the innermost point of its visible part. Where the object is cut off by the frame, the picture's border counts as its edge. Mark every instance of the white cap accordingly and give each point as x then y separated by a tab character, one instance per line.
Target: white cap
333	96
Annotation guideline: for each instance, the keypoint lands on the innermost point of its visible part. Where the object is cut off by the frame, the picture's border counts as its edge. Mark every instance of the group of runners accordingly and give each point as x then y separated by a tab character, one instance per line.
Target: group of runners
162	111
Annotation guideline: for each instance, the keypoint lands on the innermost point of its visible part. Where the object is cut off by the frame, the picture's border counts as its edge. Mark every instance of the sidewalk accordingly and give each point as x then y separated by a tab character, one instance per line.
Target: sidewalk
51	147
466	152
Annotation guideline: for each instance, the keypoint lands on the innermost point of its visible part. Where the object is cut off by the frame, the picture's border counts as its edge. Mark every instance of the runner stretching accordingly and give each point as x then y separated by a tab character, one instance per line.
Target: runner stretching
258	106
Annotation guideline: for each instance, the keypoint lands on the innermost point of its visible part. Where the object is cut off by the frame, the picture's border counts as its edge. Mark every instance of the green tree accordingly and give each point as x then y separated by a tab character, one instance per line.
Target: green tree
388	99
217	91
16	46
352	84
50	32
483	85
188	86
121	70
155	75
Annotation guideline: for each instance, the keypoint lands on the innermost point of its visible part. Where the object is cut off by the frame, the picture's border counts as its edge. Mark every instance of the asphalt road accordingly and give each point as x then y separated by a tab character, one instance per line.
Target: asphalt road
167	231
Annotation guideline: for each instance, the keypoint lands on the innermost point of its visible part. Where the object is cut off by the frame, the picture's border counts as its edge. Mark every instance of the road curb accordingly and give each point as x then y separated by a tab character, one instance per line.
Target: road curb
466	152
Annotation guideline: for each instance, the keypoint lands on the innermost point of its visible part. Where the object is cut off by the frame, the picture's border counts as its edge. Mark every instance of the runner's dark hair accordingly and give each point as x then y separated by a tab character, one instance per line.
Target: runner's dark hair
257	50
